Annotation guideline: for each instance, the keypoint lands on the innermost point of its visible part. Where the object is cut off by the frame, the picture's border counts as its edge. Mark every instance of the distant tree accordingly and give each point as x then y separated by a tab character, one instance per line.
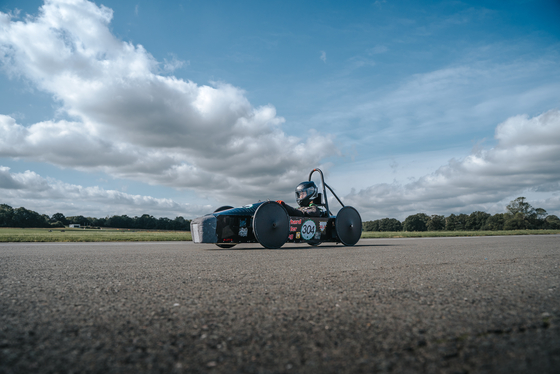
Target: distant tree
27	218
390	224
476	221
537	218
6	215
516	222
123	221
60	218
128	221
384	224
552	222
521	215
179	223
164	223
416	222
456	222
145	222
370	226
22	217
540	213
436	223
495	222
451	222
80	220
519	205
99	222
461	222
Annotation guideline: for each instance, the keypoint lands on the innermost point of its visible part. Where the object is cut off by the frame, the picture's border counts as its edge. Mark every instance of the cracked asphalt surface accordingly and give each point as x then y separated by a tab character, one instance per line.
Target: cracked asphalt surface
442	305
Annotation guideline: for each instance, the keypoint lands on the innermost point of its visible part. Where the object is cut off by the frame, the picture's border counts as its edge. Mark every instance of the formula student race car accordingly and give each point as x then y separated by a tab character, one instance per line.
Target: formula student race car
269	224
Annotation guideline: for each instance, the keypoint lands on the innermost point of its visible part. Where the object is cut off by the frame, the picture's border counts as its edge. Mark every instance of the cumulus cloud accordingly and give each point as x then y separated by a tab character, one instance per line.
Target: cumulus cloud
30	190
524	159
131	122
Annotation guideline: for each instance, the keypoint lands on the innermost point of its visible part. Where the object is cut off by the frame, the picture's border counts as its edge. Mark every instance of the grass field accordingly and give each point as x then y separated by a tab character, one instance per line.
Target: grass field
435	234
81	235
125	235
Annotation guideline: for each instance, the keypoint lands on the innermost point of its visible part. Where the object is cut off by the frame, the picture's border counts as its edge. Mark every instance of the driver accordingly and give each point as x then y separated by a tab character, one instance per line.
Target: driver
306	192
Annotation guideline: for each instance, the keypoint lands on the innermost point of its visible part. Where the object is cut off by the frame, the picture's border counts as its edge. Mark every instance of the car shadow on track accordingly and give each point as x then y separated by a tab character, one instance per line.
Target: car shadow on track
289	247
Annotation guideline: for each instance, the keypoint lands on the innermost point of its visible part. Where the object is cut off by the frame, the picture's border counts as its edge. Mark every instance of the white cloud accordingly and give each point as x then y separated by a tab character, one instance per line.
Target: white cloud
524	159
444	106
173	64
35	192
378	49
132	123
360	61
323	56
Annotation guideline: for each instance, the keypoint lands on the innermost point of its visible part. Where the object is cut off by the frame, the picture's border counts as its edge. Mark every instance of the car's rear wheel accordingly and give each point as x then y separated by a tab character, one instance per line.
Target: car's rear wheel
348	225
271	225
220	209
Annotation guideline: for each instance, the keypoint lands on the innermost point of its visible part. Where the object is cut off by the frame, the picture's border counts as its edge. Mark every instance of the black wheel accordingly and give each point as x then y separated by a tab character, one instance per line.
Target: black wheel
222	245
271	225
348	225
314	243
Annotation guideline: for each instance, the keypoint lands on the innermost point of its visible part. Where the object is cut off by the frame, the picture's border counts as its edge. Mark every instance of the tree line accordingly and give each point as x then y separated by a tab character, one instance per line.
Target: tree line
519	215
21	217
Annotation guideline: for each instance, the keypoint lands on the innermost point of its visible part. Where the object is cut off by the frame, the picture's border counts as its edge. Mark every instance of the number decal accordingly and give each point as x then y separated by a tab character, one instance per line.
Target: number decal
308	230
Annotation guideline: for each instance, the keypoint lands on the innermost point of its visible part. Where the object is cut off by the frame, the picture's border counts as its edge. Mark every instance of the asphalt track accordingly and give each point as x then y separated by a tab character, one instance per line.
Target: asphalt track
446	305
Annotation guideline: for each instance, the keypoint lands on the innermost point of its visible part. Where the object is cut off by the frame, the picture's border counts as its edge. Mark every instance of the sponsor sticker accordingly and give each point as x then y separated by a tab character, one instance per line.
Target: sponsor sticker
318	235
293	229
308	230
243	231
291	237
322	226
297	235
295	221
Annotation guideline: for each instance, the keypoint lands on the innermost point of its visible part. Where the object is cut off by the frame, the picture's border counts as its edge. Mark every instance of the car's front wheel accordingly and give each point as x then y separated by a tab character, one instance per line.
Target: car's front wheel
271	225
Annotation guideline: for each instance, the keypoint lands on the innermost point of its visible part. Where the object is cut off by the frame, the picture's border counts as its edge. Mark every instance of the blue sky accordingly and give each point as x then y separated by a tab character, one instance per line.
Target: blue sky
175	108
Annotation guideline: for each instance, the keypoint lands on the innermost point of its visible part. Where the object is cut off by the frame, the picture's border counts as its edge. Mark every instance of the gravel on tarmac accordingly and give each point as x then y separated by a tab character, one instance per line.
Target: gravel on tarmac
432	305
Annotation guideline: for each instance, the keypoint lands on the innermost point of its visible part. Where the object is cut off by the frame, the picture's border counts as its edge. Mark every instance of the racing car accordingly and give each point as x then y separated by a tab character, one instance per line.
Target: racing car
269	224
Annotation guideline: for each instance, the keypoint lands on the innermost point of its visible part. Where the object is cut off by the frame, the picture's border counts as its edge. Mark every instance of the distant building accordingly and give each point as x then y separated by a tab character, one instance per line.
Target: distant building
74	225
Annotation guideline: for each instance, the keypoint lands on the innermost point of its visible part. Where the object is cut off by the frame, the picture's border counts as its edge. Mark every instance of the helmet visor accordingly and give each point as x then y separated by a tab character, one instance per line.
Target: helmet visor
302	194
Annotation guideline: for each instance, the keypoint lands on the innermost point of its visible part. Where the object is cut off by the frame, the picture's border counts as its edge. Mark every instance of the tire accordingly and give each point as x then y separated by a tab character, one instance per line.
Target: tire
348	226
223	245
271	225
